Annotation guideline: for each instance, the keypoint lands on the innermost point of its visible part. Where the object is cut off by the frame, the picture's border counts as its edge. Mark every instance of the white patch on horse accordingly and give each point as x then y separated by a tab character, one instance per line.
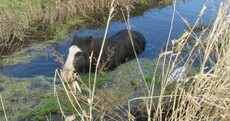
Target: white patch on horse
70	58
69	67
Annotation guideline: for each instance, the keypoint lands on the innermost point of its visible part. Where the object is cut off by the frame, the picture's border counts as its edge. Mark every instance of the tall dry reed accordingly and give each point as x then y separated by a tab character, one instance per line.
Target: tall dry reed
23	22
203	96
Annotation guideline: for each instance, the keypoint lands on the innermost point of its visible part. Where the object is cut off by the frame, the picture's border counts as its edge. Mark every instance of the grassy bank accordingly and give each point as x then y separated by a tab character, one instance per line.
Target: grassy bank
26	98
164	95
24	22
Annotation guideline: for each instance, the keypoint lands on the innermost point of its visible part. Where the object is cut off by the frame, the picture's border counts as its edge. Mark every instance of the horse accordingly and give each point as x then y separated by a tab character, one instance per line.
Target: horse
118	49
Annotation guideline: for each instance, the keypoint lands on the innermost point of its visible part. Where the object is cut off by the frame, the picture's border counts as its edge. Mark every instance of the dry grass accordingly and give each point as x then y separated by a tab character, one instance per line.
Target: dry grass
3	108
23	22
203	96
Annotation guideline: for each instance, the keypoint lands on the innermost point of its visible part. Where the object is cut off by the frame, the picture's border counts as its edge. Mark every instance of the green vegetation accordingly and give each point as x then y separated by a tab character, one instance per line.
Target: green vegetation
115	87
21	96
21	56
46	107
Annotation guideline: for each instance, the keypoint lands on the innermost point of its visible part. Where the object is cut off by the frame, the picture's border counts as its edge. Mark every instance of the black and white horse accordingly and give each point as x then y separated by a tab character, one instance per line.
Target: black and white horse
117	50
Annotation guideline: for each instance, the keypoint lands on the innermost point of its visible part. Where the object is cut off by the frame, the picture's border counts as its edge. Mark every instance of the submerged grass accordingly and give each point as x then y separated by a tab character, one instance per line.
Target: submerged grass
26	98
199	95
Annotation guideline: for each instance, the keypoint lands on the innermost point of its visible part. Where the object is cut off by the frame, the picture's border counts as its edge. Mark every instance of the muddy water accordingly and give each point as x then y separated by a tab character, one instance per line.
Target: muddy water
154	24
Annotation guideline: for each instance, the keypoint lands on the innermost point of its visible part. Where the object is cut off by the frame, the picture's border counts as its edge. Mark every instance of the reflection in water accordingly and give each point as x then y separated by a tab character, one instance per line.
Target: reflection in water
154	25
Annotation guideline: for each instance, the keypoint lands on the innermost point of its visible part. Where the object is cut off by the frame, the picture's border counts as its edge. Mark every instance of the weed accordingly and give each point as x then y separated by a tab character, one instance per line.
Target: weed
45	108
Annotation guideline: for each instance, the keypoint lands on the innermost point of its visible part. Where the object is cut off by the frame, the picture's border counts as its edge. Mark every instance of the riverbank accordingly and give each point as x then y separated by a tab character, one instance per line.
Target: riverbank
26	22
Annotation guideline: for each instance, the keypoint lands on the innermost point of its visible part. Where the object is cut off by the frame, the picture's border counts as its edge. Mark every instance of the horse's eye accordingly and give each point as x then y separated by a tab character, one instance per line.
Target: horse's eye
78	56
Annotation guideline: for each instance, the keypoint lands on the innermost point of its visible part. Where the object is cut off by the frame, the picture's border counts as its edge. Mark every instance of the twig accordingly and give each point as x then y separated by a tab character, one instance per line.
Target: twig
3	107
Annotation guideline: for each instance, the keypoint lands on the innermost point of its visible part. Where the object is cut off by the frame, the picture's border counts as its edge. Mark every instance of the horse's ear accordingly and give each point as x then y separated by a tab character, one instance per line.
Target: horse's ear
90	42
76	37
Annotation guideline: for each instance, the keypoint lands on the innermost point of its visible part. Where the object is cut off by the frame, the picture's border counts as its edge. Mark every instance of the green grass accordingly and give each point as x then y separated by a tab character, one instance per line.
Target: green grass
46	108
21	96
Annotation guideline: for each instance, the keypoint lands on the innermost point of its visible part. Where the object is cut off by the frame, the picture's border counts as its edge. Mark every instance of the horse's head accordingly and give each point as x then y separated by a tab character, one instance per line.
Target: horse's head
78	58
